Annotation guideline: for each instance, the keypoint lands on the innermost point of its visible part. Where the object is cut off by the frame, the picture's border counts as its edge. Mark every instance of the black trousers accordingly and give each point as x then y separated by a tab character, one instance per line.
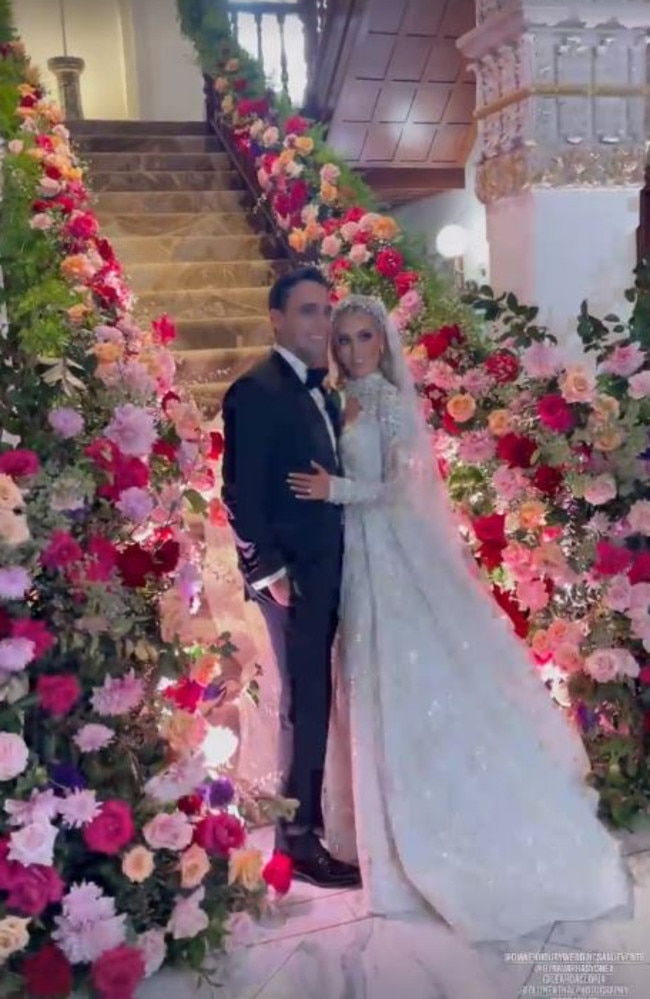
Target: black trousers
302	636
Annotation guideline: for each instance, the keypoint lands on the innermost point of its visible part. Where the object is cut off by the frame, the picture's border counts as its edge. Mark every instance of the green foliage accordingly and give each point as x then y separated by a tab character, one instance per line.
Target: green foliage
206	24
7	32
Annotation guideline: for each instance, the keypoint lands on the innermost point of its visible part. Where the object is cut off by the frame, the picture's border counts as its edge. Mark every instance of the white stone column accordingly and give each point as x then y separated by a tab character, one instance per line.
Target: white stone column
561	113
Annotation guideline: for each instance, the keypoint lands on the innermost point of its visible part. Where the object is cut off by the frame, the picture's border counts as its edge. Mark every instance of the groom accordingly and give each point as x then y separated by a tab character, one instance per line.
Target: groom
278	418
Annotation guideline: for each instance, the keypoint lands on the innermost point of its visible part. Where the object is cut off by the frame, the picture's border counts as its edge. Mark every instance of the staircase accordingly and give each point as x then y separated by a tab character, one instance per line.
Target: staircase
171	204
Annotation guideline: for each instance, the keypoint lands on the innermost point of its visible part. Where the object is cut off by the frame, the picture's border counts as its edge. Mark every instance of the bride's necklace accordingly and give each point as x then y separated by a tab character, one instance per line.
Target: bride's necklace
364	388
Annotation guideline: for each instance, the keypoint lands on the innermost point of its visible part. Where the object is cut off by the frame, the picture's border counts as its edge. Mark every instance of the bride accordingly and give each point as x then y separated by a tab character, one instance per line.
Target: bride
464	788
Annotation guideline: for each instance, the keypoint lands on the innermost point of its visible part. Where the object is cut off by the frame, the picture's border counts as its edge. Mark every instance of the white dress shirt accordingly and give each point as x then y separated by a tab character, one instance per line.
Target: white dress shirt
301	370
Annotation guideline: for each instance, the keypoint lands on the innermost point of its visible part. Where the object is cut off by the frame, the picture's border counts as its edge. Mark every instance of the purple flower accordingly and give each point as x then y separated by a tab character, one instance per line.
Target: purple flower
133	430
136	504
65	775
66	422
15	654
219	793
14	582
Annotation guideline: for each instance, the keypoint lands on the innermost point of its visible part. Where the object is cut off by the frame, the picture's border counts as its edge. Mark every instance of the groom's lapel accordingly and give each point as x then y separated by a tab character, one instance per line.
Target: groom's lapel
295	384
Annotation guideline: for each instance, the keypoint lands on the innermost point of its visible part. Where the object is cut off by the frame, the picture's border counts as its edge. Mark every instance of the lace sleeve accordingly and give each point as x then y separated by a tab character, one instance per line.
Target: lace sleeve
387	489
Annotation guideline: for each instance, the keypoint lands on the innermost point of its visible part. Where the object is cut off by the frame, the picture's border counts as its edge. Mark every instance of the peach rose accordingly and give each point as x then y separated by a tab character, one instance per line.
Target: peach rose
328	192
245	868
540	643
385	228
500	422
304	145
531	515
227	104
609	439
13	936
329	173
138	864
577	384
639	517
205	669
298	240
184	731
194	865
567	657
107	353
560	632
221	84
461	407
605	408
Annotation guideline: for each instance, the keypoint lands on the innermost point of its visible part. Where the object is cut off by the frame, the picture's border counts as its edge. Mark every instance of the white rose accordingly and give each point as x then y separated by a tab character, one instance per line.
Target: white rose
33	844
14	755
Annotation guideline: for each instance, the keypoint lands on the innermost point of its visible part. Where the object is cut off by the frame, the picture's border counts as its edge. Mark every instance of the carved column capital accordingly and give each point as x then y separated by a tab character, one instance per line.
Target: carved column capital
561	93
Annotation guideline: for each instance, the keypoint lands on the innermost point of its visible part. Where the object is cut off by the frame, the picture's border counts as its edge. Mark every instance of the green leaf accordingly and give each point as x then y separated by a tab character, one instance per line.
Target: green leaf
197	503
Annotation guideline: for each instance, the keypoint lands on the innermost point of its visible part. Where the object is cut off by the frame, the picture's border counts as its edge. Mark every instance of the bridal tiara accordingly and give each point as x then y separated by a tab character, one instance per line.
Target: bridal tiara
373	307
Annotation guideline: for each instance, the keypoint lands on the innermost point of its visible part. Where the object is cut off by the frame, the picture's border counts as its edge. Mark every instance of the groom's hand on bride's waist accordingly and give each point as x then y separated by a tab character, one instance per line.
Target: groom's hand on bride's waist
280	590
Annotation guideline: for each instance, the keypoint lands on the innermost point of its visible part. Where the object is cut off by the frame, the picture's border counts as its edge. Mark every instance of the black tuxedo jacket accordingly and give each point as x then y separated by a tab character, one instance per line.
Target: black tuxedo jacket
272	426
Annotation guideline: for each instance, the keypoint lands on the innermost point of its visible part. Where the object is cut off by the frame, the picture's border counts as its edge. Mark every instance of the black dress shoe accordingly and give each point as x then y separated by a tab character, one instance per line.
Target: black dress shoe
321	869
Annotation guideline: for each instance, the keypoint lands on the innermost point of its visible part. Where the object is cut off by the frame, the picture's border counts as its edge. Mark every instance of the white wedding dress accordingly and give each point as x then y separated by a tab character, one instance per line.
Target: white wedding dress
451	774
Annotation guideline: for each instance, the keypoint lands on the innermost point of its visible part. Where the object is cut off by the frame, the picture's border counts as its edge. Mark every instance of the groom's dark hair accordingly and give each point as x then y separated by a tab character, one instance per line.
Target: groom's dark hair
282	288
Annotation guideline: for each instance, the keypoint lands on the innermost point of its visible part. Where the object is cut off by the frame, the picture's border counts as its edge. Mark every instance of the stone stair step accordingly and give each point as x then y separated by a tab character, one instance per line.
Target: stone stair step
125	202
173	224
175	276
204	249
112	162
204	304
209	397
215	364
164	180
226	332
126	126
179	143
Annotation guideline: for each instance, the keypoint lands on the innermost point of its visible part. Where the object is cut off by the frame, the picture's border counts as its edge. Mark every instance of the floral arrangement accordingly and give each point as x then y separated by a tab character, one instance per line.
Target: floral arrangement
546	461
122	846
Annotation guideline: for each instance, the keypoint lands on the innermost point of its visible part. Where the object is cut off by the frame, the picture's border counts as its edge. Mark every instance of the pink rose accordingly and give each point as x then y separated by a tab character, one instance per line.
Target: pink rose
601	490
639	517
33	888
359	254
33	844
169	831
618	594
624	361
604	665
532	594
329	173
555	413
117	973
541	360
567	657
61	552
639	385
331	246
14	755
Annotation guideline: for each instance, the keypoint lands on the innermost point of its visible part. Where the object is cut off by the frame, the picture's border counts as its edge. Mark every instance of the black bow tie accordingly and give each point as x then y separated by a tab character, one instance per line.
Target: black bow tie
316	377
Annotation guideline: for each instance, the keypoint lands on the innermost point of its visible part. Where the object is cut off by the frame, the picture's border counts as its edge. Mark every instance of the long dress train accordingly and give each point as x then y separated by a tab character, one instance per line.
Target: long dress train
467	783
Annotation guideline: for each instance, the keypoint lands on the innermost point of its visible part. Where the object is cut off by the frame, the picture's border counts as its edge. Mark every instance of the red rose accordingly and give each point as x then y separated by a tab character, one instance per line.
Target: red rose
135	564
19	464
216	446
296	125
547	479
491	529
164	330
111	830
61	552
219	833
389	262
165	557
117	973
103	559
512	608
124	473
438	342
47	973
58	694
640	571
490	555
644	674
191	804
503	365
278	872
405	281
516	451
339	266
186	694
555	413
33	888
102	453
611	559
354	214
33	631
163	449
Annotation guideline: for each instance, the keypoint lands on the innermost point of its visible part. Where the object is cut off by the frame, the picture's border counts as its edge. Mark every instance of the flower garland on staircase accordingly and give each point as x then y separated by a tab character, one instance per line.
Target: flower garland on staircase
122	848
546	461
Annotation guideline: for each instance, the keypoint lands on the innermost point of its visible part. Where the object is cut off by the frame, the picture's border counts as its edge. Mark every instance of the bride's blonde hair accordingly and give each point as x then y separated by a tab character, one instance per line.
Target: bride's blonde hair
375	308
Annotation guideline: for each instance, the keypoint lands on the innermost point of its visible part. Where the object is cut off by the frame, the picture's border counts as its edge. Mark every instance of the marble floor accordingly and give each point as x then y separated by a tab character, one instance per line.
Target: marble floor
319	944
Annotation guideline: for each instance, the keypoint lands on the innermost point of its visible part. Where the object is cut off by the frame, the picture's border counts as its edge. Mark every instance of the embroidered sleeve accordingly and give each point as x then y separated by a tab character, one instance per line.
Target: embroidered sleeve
384	490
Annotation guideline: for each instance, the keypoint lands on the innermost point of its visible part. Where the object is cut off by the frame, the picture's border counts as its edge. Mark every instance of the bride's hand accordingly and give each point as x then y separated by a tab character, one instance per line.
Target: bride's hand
310	485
